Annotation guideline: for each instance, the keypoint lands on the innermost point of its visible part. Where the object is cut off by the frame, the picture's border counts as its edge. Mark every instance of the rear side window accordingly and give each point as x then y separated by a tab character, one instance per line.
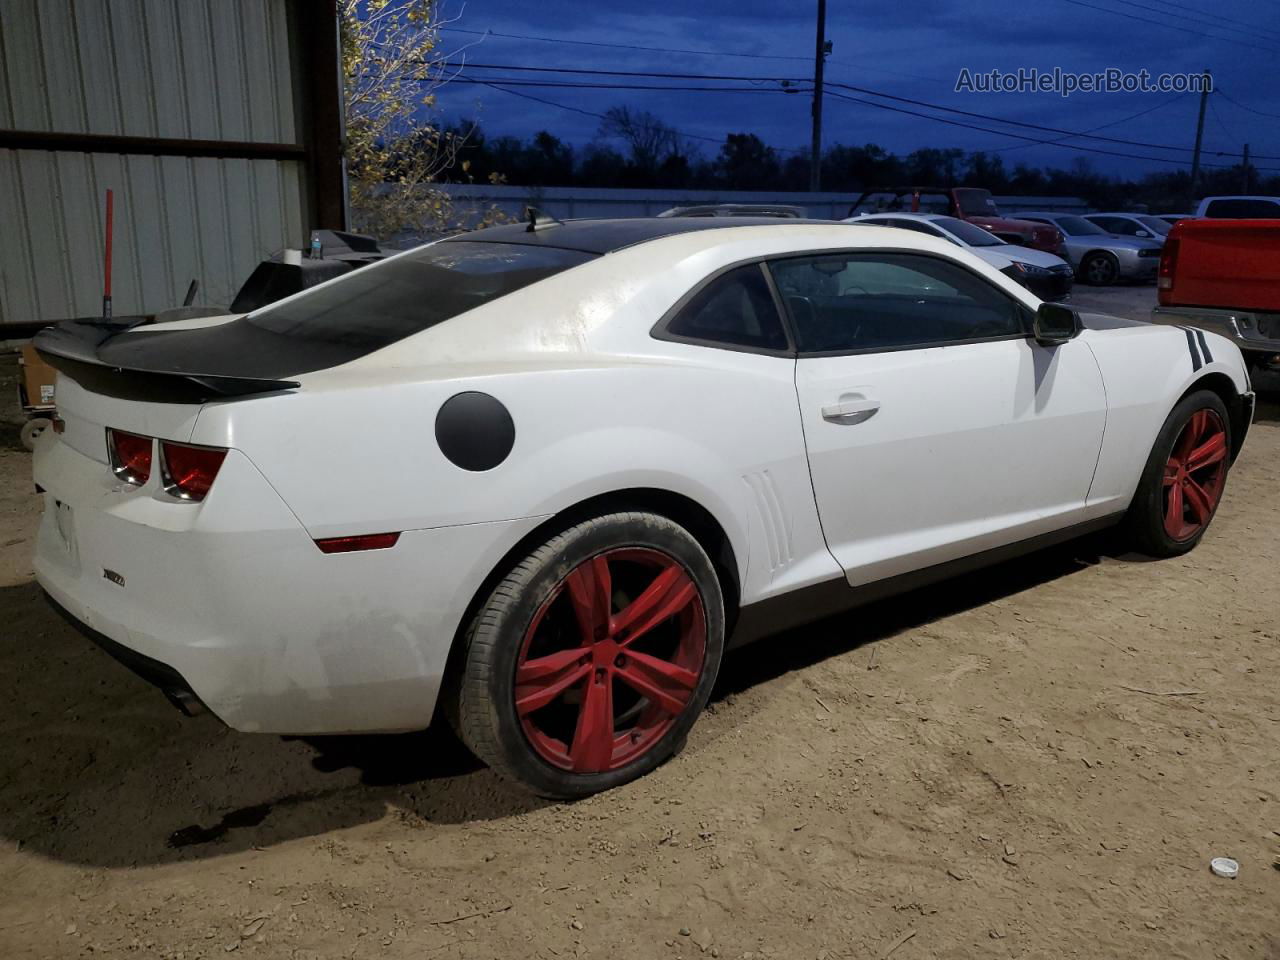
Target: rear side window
734	310
378	305
1243	208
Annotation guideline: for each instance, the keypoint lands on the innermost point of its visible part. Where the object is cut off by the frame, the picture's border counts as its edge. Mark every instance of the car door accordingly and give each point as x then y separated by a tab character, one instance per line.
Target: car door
935	427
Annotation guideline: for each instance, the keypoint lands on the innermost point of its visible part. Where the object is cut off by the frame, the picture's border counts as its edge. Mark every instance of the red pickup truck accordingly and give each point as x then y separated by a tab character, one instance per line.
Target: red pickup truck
964	203
1224	276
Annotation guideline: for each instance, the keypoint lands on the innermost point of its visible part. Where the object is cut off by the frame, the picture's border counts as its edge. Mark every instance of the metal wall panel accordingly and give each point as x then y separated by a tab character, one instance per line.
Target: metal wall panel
198	69
188	69
176	218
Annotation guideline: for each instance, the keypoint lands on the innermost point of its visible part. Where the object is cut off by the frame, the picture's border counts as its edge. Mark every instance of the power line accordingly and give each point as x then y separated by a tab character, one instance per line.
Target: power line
1243	23
882	106
1237	103
1103	126
1159	23
653	74
624	46
1212	21
600	116
1231	137
584	85
1018	136
700	53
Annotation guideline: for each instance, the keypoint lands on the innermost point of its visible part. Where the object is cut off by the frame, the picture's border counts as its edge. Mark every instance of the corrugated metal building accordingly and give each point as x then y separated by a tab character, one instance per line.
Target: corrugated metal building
215	122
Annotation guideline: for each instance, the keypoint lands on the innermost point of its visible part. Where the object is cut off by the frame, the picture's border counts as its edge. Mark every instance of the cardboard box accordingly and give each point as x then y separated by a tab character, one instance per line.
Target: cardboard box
37	381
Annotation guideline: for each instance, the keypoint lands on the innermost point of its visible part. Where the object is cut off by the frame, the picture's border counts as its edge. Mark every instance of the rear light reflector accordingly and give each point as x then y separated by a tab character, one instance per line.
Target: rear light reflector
1168	263
367	541
189	472
130	456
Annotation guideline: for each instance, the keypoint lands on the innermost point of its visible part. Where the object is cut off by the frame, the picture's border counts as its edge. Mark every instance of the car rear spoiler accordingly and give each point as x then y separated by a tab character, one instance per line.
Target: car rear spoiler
73	348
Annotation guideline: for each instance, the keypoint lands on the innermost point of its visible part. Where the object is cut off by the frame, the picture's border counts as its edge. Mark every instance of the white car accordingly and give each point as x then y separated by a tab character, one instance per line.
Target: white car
1047	276
545	475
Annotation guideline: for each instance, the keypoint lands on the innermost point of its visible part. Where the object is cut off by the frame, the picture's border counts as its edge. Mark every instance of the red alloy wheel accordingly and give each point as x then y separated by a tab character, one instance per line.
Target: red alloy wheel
610	660
1194	475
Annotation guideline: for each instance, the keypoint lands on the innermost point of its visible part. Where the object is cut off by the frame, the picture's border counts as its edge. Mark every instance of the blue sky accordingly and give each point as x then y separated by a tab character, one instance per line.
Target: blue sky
913	49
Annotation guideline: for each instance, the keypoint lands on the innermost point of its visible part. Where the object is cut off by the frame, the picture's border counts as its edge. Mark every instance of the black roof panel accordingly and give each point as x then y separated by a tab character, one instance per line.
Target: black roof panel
605	236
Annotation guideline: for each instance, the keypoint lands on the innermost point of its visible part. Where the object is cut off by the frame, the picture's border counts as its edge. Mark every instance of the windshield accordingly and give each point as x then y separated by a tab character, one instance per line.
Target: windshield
967	233
976	203
1155	223
378	305
1078	227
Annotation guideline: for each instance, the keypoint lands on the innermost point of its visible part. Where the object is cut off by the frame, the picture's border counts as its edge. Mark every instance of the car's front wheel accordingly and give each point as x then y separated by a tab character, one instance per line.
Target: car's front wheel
1184	478
590	661
1100	269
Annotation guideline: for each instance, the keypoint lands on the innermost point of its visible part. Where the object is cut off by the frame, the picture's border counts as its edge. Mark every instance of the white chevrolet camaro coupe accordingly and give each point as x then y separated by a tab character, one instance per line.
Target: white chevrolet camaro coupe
541	476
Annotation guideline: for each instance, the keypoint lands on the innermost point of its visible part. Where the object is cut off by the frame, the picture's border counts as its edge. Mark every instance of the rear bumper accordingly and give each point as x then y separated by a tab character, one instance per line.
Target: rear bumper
231	602
160	675
1259	332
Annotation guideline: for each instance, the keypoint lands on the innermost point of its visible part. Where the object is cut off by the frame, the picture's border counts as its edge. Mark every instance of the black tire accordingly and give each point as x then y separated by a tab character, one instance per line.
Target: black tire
1100	269
1145	521
483	700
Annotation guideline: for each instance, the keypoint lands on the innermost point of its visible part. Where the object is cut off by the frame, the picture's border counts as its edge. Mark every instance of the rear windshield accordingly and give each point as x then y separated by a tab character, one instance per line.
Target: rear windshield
975	203
378	305
1244	208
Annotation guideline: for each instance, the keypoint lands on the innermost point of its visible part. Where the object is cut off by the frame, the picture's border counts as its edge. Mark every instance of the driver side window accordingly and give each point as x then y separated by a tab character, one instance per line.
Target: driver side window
866	302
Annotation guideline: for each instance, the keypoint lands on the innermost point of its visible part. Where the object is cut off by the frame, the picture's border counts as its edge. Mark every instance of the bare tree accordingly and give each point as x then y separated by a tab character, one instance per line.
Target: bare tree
393	67
649	140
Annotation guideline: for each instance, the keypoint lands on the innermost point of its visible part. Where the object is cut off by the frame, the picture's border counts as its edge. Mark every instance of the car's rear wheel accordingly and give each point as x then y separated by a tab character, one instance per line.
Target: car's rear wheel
1100	269
590	661
1184	478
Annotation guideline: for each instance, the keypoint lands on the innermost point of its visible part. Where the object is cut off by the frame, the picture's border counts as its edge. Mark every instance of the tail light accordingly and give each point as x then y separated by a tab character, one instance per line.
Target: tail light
1168	262
187	471
130	456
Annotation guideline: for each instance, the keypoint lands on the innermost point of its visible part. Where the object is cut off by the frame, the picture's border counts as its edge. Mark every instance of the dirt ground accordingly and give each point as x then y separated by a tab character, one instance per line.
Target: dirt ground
1035	761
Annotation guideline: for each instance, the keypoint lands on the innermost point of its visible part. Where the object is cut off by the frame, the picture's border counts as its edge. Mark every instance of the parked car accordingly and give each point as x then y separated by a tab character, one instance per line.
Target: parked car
1141	225
785	211
1048	276
1224	276
1172	218
1240	208
1099	257
971	204
552	471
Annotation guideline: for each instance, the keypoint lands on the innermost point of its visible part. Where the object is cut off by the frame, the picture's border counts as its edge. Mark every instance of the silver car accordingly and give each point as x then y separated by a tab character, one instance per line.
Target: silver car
1099	257
1131	225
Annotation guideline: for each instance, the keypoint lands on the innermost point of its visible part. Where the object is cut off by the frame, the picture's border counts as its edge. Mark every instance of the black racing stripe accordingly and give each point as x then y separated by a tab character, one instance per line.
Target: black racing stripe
1191	345
1204	347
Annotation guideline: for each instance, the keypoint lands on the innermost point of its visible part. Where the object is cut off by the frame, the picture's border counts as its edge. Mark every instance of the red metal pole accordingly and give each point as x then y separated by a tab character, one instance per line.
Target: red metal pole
106	286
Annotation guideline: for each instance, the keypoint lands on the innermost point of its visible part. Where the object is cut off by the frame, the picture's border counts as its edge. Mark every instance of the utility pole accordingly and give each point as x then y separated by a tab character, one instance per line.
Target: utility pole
819	61
1195	157
1247	178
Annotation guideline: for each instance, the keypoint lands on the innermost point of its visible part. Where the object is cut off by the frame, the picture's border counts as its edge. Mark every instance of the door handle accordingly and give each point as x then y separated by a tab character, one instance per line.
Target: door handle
852	411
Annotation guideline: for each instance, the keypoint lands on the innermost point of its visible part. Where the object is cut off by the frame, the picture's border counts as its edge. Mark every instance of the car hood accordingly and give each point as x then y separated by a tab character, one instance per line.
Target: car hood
1036	258
998	257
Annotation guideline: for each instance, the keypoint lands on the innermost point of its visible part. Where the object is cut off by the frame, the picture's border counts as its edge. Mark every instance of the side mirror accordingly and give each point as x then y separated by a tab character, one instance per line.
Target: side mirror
1143	233
1055	324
